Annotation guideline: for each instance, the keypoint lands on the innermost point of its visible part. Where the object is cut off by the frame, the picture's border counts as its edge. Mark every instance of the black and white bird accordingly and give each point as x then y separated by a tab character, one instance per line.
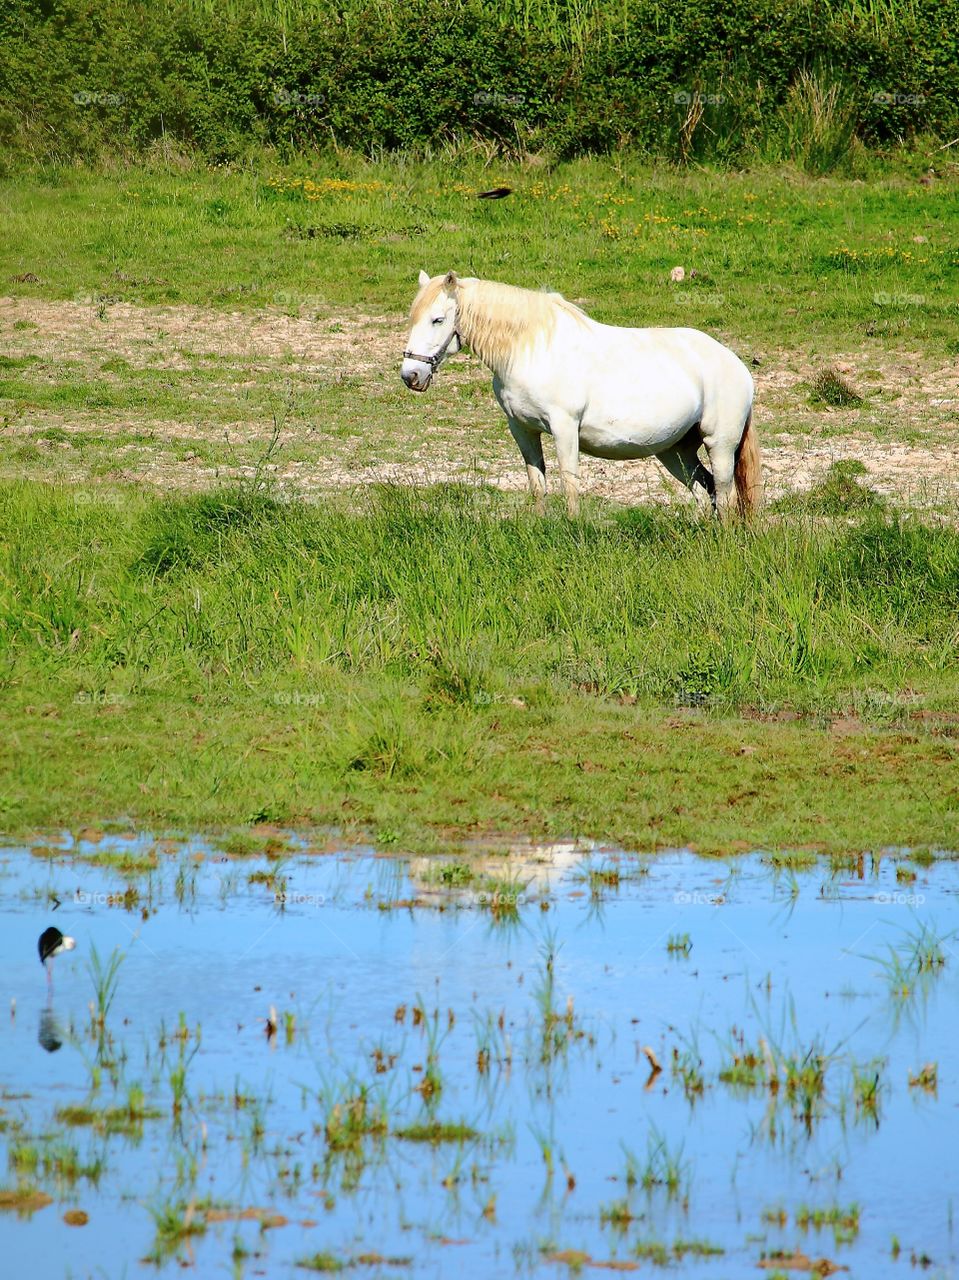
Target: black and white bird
53	943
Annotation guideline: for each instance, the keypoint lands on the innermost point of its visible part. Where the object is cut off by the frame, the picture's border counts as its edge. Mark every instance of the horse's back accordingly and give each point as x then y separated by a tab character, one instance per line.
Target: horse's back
673	342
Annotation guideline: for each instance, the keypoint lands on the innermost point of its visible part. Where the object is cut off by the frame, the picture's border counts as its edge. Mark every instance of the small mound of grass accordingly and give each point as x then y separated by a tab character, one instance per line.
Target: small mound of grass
840	492
188	534
829	387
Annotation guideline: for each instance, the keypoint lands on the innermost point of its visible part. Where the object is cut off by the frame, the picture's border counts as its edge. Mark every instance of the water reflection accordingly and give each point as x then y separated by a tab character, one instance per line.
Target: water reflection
51	1034
546	1054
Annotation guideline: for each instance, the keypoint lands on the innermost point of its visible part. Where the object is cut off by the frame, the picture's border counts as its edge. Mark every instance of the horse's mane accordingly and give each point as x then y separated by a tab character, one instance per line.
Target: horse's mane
497	321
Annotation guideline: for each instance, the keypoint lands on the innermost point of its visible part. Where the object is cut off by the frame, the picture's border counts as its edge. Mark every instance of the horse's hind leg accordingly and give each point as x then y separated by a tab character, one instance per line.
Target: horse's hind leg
531	447
682	461
722	457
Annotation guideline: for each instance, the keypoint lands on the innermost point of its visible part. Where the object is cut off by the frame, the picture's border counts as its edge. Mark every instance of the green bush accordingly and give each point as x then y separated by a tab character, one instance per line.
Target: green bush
79	77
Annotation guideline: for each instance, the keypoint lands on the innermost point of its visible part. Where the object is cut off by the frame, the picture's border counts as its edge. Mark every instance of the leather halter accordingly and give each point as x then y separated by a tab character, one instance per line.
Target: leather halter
433	361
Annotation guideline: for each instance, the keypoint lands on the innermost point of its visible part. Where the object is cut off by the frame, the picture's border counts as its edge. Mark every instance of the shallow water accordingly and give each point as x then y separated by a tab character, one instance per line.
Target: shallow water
537	1023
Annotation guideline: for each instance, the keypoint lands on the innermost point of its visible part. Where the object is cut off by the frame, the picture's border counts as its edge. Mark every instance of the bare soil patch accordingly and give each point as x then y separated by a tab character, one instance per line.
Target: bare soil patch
360	427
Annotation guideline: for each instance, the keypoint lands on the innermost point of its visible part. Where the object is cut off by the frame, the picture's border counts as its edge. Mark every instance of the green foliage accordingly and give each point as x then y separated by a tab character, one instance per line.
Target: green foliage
568	78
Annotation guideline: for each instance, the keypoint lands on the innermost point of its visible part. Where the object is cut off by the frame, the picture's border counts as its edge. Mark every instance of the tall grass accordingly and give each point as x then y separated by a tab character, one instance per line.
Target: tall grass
568	23
470	597
818	124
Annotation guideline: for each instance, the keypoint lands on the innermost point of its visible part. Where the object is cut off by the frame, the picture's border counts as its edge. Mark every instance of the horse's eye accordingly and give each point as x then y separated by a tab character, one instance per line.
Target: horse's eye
438	319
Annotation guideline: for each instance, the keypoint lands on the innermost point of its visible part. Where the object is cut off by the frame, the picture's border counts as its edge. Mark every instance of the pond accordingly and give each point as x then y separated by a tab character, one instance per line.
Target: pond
551	1061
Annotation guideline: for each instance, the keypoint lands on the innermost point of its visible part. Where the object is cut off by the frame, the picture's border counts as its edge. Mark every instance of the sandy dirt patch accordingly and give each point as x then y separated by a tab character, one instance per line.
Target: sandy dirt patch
905	433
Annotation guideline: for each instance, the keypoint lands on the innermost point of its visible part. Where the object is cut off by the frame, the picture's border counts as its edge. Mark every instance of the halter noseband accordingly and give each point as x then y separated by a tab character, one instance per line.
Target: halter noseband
433	361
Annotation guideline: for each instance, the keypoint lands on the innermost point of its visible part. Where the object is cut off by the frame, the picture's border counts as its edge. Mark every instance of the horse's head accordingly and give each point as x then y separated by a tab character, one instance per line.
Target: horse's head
434	333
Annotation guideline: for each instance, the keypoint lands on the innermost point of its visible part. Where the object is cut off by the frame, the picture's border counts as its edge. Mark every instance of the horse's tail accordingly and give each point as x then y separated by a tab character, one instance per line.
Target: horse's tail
748	472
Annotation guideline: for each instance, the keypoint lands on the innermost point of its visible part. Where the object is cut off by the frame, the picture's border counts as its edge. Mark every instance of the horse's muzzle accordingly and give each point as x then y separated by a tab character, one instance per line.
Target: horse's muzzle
415	379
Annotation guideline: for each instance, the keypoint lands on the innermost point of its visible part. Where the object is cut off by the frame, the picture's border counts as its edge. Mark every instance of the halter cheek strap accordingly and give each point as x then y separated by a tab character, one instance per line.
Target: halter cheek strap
433	361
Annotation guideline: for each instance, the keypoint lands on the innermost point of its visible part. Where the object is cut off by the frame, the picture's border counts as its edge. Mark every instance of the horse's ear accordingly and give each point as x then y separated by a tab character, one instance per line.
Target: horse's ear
451	280
424	278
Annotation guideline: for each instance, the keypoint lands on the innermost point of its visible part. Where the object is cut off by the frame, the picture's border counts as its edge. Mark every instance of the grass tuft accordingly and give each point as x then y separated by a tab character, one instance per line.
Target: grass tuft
832	388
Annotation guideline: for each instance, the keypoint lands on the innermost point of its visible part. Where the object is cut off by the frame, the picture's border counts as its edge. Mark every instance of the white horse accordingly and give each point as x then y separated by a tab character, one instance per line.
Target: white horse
604	390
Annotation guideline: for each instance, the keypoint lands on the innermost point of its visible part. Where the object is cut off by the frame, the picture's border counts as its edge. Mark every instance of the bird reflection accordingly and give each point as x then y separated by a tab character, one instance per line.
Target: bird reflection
51	1033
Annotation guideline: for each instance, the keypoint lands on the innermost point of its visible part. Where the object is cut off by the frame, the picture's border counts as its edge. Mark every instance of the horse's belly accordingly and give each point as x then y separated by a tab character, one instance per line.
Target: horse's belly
638	438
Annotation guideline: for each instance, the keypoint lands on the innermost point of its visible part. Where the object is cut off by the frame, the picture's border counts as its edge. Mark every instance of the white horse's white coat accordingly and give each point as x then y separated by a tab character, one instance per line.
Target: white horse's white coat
595	388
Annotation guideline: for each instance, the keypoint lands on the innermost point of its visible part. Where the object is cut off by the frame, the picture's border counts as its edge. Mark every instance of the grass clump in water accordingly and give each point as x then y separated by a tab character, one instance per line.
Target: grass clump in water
450	875
174	1224
125	1119
617	1215
326	1263
354	1118
23	1200
661	1254
437	1131
502	896
844	1222
910	966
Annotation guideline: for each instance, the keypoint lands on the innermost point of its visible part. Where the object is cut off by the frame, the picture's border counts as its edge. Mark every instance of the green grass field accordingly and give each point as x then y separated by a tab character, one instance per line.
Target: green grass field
423	666
781	259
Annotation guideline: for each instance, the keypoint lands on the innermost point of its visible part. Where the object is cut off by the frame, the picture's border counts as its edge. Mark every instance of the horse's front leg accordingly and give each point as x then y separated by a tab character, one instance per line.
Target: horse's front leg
531	447
566	435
